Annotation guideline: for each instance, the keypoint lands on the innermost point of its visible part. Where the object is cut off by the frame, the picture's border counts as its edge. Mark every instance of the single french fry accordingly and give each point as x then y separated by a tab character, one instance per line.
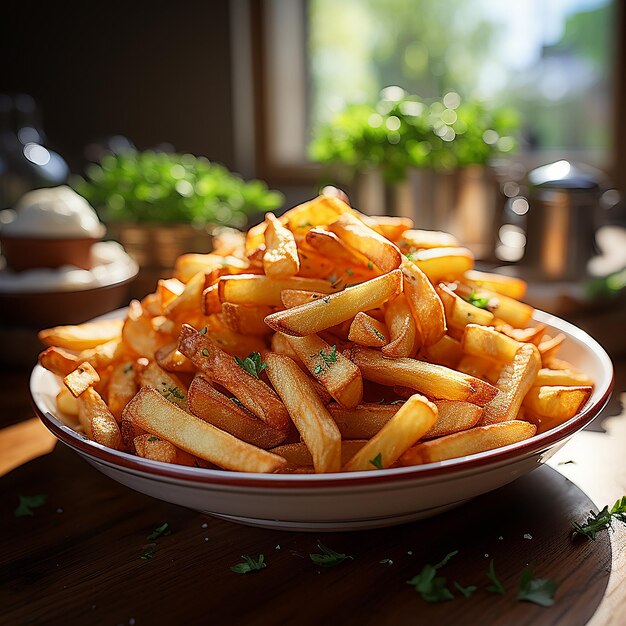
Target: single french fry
171	360
83	336
298	455
190	297
151	374
425	304
549	347
412	421
485	342
563	378
103	355
432	380
97	421
415	239
152	447
150	411
281	254
447	351
58	361
515	380
453	417
168	289
221	368
151	305
557	402
402	328
296	297
211	302
460	313
368	331
138	334
122	387
66	402
443	263
486	369
505	285
227	339
165	326
247	320
79	380
532	334
225	413
332	247
503	307
188	265
390	227
468	442
338	375
262	290
334	309
228	241
353	232
314	423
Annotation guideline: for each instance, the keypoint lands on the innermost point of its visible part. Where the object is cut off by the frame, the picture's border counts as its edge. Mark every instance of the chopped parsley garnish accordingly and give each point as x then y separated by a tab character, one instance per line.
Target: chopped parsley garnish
161	531
349	272
397	402
331	356
28	503
205	352
370	265
433	588
377	461
305	225
332	279
238	402
204	330
148	551
173	391
496	587
328	557
249	564
318	370
326	299
128	369
378	334
465	591
153	438
537	590
251	364
601	520
410	256
482	302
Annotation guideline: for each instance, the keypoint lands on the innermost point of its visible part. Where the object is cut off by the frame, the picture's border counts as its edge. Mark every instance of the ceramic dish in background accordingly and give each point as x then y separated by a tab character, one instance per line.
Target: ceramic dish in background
339	501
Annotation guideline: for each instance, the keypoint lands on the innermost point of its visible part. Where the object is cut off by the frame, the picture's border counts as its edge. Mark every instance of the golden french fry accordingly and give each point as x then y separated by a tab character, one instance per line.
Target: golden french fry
453	417
425	304
532	334
298	455
228	241
432	380
402	328
334	309
332	247
315	425
225	413
227	339
188	265
339	376
415	239
122	387
211	302
380	251
549	347
468	442
296	297
171	360
152	447
58	361
563	378
138	334
189	299
79	380
447	351
503	307
222	369
247	320
97	421
168	289
150	411
557	402
392	228
368	331
477	366
460	313
151	305
103	355
505	285
515	380
411	422
262	290
66	402
281	254
485	342
443	263
83	336
150	374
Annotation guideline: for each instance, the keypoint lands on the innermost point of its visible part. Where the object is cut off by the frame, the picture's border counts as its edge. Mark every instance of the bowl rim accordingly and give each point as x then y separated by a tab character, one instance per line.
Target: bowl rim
224	478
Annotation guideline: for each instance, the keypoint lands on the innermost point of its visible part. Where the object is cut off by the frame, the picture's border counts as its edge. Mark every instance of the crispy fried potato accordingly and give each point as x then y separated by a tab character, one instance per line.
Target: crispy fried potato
368	331
83	336
453	417
168	289
211	302
298	455
58	361
122	387
190	297
328	244
296	297
563	378
188	265
229	241
97	421
402	328
412	421
380	251
443	263
392	228
334	309
515	380
247	320
316	426
477	366
79	380
221	368
281	254
447	351
532	334
509	310
138	334
264	291
557	402
468	442
432	380
549	347
460	313
505	285
171	360
66	402
150	374
339	376
151	447
103	355
485	342
426	239
227	339
223	412
150	411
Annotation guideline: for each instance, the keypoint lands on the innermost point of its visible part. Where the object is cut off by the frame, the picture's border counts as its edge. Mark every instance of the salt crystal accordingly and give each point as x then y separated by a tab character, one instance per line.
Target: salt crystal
205	525
528	536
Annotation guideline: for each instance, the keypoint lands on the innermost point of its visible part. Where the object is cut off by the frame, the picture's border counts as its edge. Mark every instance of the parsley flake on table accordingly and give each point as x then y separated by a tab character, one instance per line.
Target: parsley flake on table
251	364
161	531
537	590
482	302
386	562
467	592
249	564
601	520
397	402
497	586
377	461
328	557
148	551
433	588
28	503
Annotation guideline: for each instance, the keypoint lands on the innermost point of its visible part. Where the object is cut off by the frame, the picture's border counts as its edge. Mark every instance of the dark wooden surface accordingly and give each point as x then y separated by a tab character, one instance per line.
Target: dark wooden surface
77	560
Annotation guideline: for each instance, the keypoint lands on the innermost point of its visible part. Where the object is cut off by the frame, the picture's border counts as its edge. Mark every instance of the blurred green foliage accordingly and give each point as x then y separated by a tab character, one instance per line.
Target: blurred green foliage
402	131
168	188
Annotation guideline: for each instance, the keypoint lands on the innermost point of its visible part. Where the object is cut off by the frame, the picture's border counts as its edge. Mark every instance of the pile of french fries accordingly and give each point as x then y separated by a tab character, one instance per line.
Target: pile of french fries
321	341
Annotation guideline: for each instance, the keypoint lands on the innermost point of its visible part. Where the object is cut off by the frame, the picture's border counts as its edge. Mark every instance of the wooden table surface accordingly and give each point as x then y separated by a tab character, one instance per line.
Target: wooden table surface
77	559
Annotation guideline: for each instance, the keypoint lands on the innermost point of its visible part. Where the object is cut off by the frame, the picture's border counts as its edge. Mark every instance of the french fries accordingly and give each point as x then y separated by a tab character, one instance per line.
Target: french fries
376	343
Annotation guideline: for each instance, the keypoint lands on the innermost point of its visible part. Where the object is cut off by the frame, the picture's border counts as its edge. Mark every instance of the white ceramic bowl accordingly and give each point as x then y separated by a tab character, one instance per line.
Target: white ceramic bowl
340	501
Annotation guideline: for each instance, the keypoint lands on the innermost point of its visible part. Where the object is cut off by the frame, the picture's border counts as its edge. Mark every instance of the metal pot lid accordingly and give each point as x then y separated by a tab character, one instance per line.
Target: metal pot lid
566	175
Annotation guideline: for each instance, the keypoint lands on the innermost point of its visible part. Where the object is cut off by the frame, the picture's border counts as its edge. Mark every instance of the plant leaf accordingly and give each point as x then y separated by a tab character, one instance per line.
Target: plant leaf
536	590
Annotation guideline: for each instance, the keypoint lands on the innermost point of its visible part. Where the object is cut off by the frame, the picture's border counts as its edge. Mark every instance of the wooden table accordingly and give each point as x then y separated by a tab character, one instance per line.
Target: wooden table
77	560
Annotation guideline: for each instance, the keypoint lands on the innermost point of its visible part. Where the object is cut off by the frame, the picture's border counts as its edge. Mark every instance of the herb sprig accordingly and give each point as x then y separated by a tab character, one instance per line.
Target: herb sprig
161	531
252	364
377	461
328	556
28	503
249	564
433	588
482	302
536	590
496	586
601	520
